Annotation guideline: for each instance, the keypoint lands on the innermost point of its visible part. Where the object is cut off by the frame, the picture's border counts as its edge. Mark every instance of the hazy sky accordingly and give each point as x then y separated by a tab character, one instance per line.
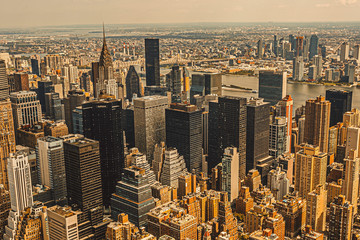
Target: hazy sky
26	13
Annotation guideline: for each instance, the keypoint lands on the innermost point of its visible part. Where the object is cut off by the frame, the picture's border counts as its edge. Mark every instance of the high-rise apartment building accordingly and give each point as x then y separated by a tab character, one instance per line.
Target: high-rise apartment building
257	132
19	181
149	120
350	186
99	117
340	219
272	86
184	132
341	102
63	223
278	137
51	166
133	84
152	62
132	196
26	108
284	108
4	86
310	169
227	128
316	208
317	121
298	69
344	51
230	173
314	46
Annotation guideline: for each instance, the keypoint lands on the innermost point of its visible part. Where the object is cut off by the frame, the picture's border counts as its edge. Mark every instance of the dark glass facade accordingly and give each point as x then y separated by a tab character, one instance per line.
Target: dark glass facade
272	86
341	102
132	83
257	133
184	132
44	87
152	62
227	128
102	122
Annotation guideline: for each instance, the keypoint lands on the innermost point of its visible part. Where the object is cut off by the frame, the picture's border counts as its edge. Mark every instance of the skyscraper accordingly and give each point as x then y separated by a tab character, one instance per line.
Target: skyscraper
344	51
227	128
230	173
340	219
133	84
173	82
316	208
19	181
310	169
317	121
317	60
298	69
149	119
35	66
83	176
4	86
43	88
102	122
272	86
152	62
183	132
356	52
278	137
54	107
74	99
314	46
350	187
132	196
104	70
7	139
26	108
341	102
257	132
51	167
299	51
260	49
284	108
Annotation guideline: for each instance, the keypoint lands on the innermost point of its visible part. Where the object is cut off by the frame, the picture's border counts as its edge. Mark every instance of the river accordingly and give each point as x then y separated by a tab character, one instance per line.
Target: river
300	92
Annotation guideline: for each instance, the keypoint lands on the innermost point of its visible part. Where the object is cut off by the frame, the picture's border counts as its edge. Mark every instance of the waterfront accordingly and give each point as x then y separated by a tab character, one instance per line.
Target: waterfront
300	92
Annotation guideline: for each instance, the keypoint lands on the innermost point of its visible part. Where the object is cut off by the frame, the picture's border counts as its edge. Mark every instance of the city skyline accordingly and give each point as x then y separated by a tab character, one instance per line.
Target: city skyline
71	12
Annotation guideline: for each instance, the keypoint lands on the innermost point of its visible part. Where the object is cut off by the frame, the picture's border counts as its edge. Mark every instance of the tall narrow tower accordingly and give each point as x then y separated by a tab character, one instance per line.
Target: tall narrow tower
106	69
